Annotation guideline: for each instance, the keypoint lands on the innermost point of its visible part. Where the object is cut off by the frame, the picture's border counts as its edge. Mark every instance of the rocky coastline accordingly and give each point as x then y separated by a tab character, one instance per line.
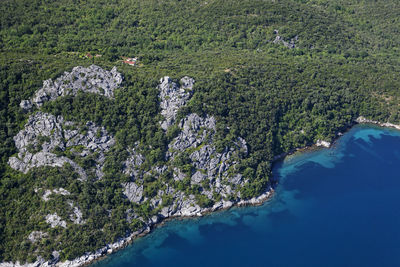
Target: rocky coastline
48	140
328	144
363	120
103	252
123	242
109	249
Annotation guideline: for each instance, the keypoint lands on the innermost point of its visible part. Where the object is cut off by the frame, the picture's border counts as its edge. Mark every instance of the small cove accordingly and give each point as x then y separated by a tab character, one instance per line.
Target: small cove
332	207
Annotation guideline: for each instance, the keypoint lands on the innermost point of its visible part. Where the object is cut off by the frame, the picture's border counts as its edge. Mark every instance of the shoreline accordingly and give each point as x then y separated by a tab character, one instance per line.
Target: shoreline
267	195
102	253
256	201
363	120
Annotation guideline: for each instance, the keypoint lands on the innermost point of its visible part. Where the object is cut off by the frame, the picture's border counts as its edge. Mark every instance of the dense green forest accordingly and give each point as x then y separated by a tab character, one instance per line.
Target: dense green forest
345	63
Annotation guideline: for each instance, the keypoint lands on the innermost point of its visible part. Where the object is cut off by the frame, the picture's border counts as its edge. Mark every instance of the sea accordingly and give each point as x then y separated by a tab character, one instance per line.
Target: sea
332	207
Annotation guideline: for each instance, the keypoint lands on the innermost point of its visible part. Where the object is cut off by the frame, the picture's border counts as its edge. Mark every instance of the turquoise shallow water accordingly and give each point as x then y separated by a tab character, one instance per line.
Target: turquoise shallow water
332	207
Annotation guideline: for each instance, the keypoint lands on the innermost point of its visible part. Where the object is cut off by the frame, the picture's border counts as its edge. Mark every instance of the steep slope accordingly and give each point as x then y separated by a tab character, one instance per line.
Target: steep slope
94	154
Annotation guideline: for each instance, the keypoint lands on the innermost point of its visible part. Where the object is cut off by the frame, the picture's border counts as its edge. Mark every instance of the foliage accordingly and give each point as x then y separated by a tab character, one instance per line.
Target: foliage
345	64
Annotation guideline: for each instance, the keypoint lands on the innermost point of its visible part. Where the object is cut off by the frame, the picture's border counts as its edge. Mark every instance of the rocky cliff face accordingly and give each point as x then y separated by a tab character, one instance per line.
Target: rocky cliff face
91	80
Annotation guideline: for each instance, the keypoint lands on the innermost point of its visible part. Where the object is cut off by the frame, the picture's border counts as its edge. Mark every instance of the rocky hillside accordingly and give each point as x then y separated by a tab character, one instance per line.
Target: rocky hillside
90	156
202	176
46	140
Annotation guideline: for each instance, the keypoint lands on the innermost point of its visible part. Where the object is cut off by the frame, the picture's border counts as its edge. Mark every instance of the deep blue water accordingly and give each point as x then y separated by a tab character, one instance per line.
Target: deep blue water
332	207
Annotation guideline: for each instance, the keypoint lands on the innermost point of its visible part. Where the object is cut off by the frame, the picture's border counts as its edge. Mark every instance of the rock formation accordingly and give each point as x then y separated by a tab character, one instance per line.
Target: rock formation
133	192
92	79
211	168
132	164
54	220
173	97
195	158
45	135
289	44
197	138
36	236
48	193
76	216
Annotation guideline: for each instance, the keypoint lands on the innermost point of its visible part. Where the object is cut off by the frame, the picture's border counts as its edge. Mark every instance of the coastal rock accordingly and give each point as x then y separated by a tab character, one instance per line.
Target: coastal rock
187	206
257	200
362	119
222	205
211	167
323	143
92	79
56	258
173	97
107	249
